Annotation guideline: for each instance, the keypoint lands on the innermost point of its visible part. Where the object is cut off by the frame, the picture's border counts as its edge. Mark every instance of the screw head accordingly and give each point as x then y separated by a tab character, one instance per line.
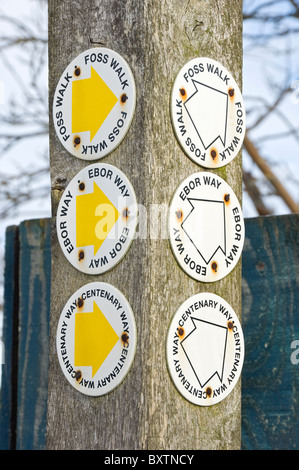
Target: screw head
181	331
214	266
78	375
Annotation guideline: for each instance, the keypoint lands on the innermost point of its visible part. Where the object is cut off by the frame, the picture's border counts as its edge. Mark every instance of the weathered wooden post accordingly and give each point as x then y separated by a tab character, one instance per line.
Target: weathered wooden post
156	39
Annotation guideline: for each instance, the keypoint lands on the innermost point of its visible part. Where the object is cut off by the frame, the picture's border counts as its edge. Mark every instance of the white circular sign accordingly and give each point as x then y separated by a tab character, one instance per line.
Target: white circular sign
205	349
96	339
96	218
206	227
94	103
208	113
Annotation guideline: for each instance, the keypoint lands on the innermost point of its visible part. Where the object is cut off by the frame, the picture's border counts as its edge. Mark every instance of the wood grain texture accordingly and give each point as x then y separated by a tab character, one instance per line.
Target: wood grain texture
270	379
157	39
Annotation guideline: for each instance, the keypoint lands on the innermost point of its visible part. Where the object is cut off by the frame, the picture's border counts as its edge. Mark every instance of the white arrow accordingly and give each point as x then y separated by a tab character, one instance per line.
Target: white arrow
205	227
207	109
205	348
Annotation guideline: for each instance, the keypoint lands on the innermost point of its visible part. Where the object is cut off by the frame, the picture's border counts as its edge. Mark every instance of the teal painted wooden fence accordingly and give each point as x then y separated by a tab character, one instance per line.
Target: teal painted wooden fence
23	411
270	378
270	385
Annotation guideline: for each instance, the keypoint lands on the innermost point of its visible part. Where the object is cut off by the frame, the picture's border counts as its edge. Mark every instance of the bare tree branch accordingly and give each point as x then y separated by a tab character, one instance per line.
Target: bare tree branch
260	162
24	118
255	194
270	108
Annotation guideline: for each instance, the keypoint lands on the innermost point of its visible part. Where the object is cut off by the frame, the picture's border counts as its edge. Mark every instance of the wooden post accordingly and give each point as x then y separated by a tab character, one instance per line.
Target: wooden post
157	39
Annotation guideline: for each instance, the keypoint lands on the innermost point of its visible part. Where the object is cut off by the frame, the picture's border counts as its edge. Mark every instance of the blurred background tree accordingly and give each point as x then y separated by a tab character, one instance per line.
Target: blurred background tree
271	72
24	109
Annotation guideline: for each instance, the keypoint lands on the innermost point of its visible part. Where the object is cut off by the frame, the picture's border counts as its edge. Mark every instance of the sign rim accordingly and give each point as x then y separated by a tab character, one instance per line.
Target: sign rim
193	276
75	295
177	135
111	148
98	271
168	349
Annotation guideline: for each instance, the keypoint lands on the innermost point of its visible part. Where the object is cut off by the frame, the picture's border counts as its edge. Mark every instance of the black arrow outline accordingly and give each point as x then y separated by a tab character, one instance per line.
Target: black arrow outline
197	131
224	228
224	353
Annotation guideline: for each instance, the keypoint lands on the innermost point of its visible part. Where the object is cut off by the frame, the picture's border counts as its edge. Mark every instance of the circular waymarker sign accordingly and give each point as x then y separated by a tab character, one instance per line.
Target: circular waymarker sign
205	349
94	103
206	227
208	113
96	338
96	218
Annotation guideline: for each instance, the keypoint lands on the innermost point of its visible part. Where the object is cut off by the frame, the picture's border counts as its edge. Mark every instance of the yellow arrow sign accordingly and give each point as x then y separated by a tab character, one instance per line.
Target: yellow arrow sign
95	217
92	101
94	339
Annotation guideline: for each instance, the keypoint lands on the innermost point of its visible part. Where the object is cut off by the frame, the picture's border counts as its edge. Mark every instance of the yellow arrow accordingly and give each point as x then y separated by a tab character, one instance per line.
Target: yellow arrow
92	101
94	339
95	217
